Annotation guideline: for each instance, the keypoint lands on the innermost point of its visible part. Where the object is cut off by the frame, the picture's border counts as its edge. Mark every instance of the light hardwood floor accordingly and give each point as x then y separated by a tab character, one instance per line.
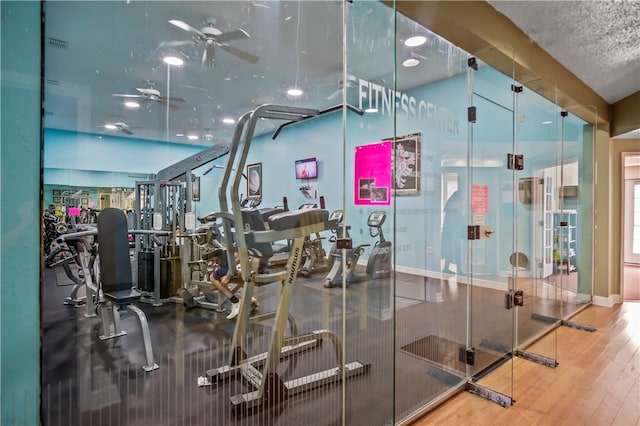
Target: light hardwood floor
596	383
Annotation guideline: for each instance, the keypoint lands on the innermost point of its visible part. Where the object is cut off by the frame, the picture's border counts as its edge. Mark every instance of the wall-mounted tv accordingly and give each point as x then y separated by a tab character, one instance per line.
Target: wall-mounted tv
307	168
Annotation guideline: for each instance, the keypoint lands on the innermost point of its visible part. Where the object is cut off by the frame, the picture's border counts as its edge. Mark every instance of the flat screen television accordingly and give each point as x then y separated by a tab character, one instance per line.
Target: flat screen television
307	168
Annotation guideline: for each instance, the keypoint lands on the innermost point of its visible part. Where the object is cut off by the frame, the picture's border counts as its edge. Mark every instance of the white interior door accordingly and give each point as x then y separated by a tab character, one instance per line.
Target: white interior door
632	221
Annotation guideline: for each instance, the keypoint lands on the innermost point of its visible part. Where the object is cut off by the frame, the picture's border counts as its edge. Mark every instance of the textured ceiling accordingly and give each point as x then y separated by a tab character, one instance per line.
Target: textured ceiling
598	41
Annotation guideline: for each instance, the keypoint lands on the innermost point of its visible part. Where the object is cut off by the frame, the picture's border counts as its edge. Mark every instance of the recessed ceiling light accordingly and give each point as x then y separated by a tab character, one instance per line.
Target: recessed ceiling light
228	120
411	62
371	110
173	60
192	137
294	92
415	41
179	135
110	126
131	104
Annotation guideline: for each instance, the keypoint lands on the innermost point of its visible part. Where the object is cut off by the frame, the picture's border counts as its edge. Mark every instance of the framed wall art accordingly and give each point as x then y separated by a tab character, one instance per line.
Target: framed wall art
254	181
406	163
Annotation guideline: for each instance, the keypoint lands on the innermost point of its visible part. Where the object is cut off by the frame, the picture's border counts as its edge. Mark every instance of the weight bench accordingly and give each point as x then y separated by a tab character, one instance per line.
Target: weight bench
116	280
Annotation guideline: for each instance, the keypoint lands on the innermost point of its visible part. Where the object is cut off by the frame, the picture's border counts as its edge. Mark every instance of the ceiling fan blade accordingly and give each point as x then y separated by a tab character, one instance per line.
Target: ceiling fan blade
175	43
184	26
124	95
126	131
240	53
232	35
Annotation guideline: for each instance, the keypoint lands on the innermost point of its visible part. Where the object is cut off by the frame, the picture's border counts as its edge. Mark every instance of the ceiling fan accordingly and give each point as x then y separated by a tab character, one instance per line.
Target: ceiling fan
211	37
152	94
120	126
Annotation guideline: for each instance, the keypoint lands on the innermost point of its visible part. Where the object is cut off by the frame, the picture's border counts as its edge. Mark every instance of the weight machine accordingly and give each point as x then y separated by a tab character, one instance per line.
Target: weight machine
164	227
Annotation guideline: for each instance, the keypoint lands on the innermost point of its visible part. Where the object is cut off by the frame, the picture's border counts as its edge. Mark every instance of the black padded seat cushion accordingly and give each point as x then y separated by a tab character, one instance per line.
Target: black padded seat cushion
115	264
297	219
123	297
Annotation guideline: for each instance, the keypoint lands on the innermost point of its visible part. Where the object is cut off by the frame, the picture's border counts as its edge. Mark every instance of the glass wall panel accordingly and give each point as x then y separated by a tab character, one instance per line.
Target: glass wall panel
430	226
489	185
575	195
360	285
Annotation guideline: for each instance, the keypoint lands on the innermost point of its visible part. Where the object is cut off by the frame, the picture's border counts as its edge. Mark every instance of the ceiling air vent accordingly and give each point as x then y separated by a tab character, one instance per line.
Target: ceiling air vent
58	44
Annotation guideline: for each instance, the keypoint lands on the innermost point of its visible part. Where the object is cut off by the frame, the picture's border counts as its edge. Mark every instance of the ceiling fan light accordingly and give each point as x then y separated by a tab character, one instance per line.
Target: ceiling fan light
110	126
131	104
415	41
192	137
173	60
294	92
410	63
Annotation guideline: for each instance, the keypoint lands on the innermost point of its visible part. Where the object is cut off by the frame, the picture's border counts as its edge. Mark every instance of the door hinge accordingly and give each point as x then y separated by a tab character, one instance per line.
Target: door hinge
513	298
467	356
471	114
344	243
515	161
516	88
472	62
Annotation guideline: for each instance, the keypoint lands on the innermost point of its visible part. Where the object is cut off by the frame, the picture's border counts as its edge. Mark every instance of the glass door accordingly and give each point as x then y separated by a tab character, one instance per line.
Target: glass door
491	193
533	265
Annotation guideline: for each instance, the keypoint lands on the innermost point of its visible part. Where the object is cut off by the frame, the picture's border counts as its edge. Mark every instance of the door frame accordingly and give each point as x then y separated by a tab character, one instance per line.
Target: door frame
624	236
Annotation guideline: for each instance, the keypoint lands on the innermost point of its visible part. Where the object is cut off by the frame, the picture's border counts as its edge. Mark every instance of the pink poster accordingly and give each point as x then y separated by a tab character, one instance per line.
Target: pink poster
373	173
480	198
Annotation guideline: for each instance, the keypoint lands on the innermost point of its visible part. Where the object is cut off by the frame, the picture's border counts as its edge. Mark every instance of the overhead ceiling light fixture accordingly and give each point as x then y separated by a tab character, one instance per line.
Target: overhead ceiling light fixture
547	122
131	104
192	137
371	110
415	41
294	92
410	63
228	120
110	126
173	60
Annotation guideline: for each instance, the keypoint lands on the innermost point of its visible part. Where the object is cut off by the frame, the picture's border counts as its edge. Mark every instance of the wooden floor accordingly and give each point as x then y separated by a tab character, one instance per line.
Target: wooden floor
596	383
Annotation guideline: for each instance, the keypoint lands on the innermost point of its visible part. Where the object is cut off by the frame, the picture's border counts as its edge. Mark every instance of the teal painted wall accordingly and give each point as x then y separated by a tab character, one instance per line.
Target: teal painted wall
20	213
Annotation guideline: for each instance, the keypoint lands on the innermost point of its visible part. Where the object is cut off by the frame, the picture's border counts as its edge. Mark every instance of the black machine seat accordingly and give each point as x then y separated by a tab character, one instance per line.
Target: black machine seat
123	297
297	218
115	265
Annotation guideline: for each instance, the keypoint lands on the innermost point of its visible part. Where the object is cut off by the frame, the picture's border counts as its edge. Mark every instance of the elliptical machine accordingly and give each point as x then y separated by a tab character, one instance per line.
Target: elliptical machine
379	262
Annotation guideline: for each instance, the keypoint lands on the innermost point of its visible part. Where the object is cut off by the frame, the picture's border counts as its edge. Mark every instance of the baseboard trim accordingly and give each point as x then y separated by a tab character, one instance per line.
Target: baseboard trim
607	302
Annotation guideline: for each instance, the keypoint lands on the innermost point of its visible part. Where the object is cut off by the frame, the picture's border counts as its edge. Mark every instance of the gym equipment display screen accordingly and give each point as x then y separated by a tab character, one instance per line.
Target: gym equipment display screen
307	168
